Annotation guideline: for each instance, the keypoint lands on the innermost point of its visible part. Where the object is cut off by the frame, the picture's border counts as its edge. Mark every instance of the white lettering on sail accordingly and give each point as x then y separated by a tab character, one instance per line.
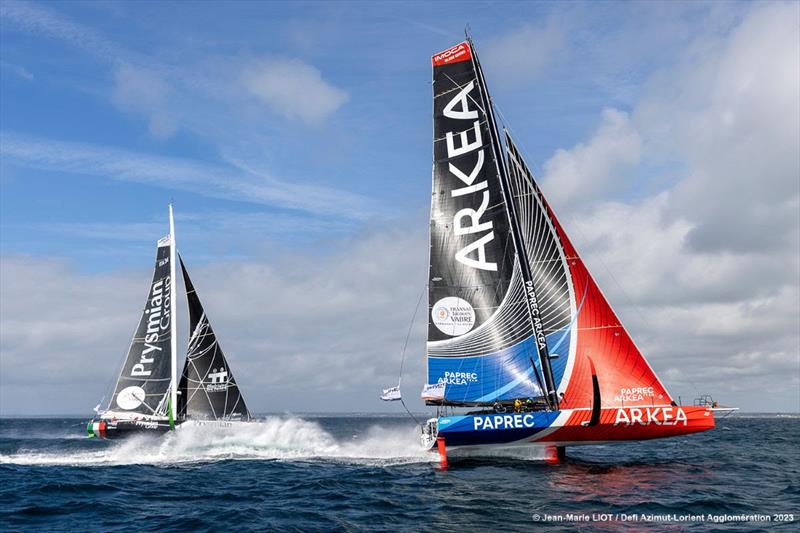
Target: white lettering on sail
466	146
474	216
472	175
533	304
158	319
463	98
462	256
467	221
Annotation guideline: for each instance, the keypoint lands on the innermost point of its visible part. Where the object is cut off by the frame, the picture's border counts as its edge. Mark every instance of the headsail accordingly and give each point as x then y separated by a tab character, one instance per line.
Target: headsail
144	382
208	389
599	346
548	264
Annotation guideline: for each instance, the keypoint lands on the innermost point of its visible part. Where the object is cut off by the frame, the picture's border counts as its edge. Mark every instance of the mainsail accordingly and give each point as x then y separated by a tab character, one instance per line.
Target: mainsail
480	335
514	312
208	390
144	383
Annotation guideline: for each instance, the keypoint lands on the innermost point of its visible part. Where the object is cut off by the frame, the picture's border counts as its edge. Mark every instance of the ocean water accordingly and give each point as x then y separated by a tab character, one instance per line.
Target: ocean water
352	473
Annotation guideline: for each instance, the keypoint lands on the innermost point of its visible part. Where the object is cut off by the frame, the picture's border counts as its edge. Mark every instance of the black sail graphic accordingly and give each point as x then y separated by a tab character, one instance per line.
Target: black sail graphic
480	332
488	338
207	388
144	381
471	254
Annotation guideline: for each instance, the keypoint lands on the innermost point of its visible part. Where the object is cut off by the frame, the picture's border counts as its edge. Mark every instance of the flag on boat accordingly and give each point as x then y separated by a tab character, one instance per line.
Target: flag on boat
391	394
433	391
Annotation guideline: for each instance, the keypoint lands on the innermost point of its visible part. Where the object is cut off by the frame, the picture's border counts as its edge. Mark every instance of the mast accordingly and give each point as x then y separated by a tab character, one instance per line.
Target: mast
173	326
519	243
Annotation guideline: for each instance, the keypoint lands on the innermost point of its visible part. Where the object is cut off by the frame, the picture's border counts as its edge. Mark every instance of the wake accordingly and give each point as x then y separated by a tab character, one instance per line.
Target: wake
274	438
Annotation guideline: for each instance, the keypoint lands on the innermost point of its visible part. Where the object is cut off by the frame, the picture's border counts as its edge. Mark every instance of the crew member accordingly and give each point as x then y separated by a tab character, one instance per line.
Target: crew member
517	406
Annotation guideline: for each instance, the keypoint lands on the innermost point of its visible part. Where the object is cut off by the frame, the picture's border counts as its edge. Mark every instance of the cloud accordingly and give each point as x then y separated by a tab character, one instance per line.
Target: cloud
213	180
599	168
18	70
293	89
731	113
142	91
140	84
33	18
710	260
523	53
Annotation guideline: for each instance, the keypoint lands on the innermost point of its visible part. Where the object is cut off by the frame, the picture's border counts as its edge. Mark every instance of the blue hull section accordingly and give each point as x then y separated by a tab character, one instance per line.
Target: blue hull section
477	430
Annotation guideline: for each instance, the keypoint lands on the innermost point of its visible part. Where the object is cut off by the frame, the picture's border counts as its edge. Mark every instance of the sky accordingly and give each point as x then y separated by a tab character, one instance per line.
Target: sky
295	142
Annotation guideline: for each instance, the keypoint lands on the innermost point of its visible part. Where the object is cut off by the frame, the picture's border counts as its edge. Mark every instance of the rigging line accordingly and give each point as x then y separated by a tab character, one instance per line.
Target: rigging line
408	335
517	140
403	355
407	411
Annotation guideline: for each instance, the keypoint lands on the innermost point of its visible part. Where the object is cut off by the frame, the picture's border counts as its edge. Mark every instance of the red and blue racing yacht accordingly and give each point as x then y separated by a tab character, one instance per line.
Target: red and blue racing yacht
523	348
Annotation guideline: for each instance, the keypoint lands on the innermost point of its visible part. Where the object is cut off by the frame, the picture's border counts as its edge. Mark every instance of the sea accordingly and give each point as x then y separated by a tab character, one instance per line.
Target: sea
367	473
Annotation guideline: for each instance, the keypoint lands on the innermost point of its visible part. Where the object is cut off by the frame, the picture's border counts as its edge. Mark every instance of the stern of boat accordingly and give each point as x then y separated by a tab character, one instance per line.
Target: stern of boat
429	433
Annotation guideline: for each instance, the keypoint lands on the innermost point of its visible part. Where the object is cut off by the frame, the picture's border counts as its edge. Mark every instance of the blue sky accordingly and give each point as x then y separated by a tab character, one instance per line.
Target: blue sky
294	139
162	90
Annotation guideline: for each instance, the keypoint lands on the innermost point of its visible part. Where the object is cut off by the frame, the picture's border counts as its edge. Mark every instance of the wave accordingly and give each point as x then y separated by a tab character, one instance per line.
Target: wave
274	438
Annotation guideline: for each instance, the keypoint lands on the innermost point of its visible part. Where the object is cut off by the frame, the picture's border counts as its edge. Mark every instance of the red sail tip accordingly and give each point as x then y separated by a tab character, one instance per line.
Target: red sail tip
456	54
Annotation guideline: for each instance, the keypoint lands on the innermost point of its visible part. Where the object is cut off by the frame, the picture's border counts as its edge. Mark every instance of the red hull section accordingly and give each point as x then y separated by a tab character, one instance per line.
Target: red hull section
635	423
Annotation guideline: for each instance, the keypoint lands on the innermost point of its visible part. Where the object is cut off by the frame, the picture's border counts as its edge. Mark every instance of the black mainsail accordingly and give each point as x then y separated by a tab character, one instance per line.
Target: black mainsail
486	337
144	388
207	388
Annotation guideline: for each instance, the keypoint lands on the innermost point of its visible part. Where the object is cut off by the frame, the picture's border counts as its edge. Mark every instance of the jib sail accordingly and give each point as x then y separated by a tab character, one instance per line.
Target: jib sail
143	384
207	388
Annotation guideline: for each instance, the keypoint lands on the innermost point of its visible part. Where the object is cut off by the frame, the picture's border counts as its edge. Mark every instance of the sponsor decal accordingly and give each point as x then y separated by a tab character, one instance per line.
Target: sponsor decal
533	304
459	52
158	316
634	394
219	380
660	416
147	424
467	221
130	398
517	421
459	378
453	316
